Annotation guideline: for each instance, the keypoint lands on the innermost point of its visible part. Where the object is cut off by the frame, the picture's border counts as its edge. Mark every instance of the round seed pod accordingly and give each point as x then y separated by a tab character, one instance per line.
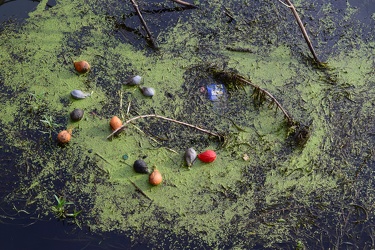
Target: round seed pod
140	166
76	115
78	94
147	91
136	80
190	156
82	66
64	136
207	156
155	177
115	123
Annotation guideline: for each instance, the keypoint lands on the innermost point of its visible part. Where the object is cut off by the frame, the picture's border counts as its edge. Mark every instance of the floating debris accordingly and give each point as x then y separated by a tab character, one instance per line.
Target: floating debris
78	94
136	80
140	166
190	156
76	115
155	177
147	91
216	92
115	123
207	156
82	66
64	136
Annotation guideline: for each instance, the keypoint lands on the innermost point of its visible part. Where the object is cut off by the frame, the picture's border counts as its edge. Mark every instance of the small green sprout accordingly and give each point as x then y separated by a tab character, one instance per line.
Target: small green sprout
61	209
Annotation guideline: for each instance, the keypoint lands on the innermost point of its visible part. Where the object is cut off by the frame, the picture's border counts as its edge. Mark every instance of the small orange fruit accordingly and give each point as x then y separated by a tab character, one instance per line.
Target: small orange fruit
115	123
82	66
155	177
64	136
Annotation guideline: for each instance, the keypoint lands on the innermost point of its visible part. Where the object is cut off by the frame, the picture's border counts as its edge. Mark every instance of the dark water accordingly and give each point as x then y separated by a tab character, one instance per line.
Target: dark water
15	10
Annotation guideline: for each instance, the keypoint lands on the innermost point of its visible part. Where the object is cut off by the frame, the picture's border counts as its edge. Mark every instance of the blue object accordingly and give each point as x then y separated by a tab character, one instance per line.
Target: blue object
215	92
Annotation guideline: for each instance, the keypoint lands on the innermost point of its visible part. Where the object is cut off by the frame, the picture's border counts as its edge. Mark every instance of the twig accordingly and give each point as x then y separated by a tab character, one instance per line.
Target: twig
104	159
135	5
228	76
287	116
140	190
164	118
303	30
184	3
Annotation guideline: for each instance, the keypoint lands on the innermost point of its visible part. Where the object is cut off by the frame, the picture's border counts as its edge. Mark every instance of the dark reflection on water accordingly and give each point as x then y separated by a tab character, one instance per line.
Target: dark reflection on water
39	235
18	10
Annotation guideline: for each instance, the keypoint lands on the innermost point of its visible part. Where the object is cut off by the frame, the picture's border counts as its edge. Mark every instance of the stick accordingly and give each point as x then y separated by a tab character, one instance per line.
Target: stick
143	23
184	3
303	30
287	116
139	189
164	118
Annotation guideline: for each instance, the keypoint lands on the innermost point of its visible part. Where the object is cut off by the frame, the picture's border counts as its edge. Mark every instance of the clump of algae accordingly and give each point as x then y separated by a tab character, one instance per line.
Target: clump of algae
272	197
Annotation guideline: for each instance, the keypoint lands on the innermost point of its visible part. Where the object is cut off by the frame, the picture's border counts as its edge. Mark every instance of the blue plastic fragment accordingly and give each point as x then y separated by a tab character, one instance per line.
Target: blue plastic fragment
215	91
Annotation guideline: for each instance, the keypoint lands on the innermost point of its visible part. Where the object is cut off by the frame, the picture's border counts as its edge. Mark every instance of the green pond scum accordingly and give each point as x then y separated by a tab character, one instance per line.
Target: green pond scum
262	190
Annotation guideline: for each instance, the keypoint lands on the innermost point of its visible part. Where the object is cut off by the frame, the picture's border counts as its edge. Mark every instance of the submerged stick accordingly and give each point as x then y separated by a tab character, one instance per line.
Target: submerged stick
185	3
135	5
164	118
303	30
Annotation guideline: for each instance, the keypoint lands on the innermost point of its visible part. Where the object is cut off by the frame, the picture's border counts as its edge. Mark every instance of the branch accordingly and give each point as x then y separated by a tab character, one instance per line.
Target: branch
164	118
184	3
144	24
303	30
287	116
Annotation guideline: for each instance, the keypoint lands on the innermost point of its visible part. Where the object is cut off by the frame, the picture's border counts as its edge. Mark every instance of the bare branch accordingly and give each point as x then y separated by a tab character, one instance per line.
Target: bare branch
303	30
185	3
135	5
164	118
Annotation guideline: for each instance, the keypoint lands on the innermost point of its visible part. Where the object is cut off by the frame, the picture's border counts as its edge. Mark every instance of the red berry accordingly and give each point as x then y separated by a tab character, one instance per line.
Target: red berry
207	156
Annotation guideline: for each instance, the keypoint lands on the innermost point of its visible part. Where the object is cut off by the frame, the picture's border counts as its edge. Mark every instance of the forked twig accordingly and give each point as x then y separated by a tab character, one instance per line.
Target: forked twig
303	30
164	118
135	5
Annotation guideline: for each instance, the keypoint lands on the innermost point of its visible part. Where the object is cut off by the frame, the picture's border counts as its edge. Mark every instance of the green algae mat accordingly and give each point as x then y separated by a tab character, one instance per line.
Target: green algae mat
265	188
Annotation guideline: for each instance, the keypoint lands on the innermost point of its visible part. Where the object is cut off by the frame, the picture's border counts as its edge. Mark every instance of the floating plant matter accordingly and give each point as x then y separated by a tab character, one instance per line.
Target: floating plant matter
115	123
82	66
147	91
136	80
190	156
140	166
78	94
207	156
155	177
64	136
76	115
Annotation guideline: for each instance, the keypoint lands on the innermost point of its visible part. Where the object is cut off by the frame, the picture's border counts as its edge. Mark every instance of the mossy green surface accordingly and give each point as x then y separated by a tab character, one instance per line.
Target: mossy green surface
261	189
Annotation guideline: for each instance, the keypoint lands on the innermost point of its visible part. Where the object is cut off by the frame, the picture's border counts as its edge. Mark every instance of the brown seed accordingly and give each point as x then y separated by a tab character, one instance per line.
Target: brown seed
82	66
155	178
64	136
115	122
